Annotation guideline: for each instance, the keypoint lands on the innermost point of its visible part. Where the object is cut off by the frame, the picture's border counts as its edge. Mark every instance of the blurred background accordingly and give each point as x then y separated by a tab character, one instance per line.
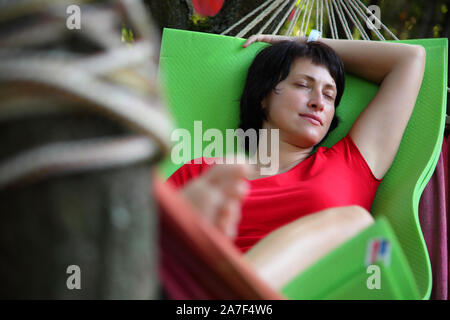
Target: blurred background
408	19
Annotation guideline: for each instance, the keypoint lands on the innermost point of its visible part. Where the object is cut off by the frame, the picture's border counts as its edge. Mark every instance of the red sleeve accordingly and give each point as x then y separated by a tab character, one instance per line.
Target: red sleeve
187	172
360	162
363	183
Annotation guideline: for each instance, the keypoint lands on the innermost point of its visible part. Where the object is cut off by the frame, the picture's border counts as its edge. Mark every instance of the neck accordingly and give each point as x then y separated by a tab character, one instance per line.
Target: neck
275	152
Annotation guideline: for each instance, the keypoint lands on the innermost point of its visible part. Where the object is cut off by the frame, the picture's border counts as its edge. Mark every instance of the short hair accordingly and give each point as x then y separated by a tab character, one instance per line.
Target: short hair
272	65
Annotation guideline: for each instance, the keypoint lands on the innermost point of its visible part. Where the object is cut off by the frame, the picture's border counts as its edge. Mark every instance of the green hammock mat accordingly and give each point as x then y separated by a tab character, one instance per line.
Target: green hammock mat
202	76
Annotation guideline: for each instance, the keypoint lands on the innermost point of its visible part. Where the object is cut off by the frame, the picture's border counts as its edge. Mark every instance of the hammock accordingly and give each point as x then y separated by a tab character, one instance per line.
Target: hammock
209	70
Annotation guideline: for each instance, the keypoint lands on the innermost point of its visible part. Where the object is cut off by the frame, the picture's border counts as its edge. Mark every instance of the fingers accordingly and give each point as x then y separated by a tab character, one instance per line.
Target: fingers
230	178
228	218
218	193
258	37
265	38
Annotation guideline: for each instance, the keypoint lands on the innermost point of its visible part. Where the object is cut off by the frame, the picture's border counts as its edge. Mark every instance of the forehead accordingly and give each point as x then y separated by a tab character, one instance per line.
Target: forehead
305	67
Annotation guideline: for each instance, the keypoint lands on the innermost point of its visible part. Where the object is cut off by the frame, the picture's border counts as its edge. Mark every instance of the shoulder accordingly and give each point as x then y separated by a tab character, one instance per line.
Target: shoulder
344	145
347	152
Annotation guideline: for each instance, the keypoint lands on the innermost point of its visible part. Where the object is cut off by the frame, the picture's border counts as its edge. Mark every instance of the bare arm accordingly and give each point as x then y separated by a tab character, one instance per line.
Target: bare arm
398	68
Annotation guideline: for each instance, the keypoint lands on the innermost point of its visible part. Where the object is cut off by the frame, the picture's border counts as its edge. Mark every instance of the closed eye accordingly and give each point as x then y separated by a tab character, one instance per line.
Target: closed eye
330	97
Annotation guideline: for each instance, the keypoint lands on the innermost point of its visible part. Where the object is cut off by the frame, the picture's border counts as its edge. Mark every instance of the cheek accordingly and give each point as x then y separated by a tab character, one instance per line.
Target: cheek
331	116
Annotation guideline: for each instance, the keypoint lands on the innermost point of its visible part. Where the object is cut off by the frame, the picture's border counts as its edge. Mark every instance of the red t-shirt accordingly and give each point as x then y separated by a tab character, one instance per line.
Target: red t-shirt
331	177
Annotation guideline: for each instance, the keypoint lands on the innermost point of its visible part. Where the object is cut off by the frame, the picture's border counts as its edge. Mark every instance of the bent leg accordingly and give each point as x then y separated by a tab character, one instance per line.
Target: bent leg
289	250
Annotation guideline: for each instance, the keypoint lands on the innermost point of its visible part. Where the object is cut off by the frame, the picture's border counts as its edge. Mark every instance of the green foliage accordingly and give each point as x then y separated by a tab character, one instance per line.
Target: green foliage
127	35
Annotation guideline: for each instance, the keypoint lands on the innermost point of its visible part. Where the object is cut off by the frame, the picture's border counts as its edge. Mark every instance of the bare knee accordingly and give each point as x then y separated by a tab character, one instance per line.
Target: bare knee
356	216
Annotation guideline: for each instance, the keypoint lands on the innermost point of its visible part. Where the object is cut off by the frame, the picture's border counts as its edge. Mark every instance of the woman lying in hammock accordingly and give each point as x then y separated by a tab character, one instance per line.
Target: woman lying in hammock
315	202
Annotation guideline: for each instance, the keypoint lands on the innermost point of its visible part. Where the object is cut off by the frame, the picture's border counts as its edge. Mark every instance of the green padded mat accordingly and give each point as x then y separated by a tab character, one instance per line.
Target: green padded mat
203	76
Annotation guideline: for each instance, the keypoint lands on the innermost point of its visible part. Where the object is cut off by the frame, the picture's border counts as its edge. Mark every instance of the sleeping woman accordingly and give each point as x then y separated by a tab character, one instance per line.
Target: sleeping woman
315	201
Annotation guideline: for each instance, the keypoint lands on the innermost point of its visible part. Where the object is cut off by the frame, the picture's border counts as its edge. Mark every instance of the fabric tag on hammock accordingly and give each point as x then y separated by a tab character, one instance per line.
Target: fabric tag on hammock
378	249
314	35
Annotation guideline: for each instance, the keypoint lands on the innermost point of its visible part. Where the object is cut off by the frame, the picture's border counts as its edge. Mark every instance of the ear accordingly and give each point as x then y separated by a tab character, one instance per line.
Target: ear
264	103
264	108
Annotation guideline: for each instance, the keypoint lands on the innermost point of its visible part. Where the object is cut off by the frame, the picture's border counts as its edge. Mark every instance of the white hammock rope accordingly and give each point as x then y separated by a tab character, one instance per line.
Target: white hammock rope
305	12
298	10
364	17
335	7
332	21
381	23
258	19
321	17
317	15
286	15
273	17
341	14
343	8
355	21
303	31
329	20
247	16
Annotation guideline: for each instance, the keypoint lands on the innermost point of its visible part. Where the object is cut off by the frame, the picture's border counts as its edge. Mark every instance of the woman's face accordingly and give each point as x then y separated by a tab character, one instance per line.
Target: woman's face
309	90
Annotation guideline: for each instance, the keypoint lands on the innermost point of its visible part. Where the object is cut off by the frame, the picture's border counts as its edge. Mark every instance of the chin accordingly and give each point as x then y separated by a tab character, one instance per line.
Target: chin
311	138
307	141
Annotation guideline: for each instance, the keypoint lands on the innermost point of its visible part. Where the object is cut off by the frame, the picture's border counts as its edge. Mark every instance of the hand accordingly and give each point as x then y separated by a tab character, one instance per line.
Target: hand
269	39
218	193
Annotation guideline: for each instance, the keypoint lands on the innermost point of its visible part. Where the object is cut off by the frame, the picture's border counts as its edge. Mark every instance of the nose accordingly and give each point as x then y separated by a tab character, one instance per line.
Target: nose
316	100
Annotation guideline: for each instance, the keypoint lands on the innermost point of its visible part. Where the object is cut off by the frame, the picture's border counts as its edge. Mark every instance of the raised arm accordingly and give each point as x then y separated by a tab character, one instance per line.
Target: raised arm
398	68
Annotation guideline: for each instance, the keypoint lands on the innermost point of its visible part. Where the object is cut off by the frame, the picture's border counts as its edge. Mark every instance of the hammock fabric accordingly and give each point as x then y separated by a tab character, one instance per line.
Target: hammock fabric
433	214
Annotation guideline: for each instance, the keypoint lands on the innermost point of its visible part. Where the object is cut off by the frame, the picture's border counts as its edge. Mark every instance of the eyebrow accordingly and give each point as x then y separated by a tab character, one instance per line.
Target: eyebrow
329	85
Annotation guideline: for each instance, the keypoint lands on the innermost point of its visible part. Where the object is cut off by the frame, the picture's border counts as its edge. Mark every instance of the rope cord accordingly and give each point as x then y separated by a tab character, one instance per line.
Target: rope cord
295	18
382	24
244	18
305	13
334	5
285	17
317	15
333	19
321	17
341	13
355	21
309	16
66	157
304	16
273	16
258	19
364	17
330	23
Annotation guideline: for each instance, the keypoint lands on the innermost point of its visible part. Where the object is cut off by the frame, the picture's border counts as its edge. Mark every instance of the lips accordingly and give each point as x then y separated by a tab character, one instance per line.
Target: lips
313	118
